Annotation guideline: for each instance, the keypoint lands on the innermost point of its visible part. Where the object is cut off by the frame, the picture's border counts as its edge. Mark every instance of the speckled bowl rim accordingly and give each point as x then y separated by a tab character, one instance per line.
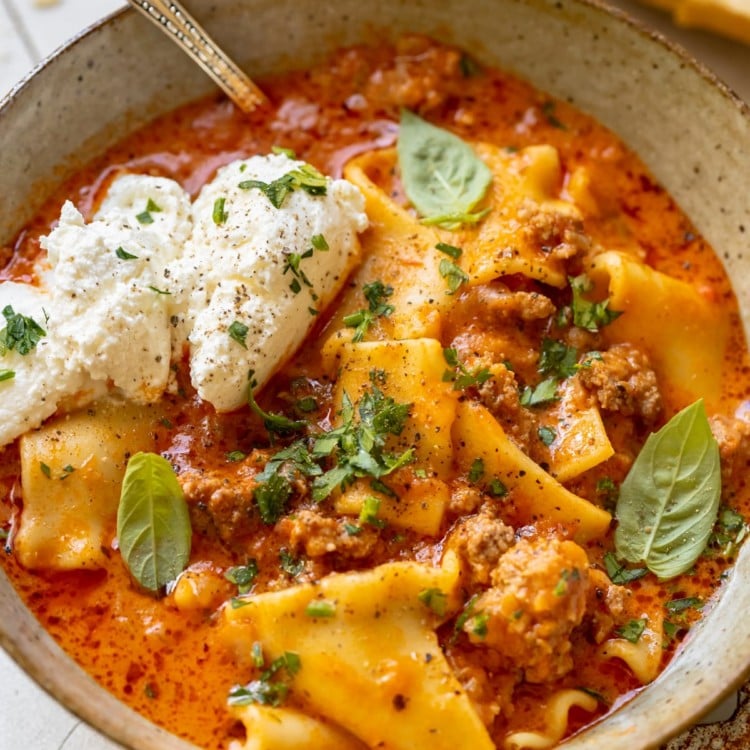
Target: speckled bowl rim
676	50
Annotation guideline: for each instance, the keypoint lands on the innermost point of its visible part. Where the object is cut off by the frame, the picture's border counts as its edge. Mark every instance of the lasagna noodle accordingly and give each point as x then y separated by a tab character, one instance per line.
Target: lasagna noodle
272	728
581	440
400	252
478	434
556	720
414	375
526	186
71	472
684	333
645	655
374	667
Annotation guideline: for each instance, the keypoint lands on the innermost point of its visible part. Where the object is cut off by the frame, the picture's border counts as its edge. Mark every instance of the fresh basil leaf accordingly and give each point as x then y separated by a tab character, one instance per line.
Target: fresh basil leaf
669	500
442	176
153	523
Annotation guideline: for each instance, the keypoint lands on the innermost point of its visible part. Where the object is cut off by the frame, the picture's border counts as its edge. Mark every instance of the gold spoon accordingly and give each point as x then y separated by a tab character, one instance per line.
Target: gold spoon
172	18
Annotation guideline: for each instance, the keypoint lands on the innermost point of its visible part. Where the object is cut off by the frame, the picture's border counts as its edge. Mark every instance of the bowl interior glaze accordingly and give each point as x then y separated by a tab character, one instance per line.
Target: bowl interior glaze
692	133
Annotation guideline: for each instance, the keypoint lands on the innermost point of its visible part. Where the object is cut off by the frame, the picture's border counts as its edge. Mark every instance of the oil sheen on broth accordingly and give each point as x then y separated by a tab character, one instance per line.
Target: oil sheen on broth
450	438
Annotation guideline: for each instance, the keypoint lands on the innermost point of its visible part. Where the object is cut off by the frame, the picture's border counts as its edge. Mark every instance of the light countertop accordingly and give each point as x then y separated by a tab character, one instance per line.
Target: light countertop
29	31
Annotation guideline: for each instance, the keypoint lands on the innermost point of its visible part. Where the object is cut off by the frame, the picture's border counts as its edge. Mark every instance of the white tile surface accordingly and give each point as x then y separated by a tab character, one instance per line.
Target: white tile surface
28	32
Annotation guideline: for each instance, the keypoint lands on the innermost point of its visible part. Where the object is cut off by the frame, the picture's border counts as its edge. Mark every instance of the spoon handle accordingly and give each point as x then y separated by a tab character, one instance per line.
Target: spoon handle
173	19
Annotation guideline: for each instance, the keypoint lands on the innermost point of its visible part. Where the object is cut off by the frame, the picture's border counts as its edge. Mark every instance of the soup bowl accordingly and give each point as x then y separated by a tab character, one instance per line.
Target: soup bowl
691	131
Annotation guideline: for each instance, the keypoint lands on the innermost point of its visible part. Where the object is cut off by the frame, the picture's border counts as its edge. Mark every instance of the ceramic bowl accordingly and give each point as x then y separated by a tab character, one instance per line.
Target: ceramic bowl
693	134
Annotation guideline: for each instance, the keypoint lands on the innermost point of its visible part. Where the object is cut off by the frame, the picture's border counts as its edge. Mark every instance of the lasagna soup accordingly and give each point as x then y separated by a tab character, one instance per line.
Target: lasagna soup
406	412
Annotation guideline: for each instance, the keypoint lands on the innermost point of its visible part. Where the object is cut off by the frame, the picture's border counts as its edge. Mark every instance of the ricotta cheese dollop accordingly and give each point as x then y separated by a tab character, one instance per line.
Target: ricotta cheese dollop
236	280
255	274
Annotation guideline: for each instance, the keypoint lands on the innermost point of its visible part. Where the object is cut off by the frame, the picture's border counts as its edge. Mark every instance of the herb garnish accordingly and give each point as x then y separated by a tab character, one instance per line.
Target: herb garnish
369	513
590	316
122	254
547	435
435	599
669	500
7	375
238	331
21	333
451	250
153	523
243	576
305	177
442	175
219	215
376	293
274	423
453	275
632	630
540	394
459	375
265	690
291	565
145	217
618	573
680	605
320	608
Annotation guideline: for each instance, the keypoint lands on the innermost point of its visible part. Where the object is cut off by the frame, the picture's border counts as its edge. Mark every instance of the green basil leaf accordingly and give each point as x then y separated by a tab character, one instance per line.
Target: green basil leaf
153	524
669	500
442	175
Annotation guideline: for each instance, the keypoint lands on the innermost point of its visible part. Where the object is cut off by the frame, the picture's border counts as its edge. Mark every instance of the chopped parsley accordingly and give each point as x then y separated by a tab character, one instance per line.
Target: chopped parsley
266	690
320	608
288	152
566	575
271	497
219	214
453	275
369	513
238	331
540	394
145	217
355	449
306	404
476	472
632	630
7	375
158	291
243	576
45	470
547	435
305	178
122	254
291	565
468	66
680	605
236	455
730	530
299	277
590	316
618	573
434	599
450	250
459	375
21	333
376	293
274	423
358	446
496	488
557	359
478	624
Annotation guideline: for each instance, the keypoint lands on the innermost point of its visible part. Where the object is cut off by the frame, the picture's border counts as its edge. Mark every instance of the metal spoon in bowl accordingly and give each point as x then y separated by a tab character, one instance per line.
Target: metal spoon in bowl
172	18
